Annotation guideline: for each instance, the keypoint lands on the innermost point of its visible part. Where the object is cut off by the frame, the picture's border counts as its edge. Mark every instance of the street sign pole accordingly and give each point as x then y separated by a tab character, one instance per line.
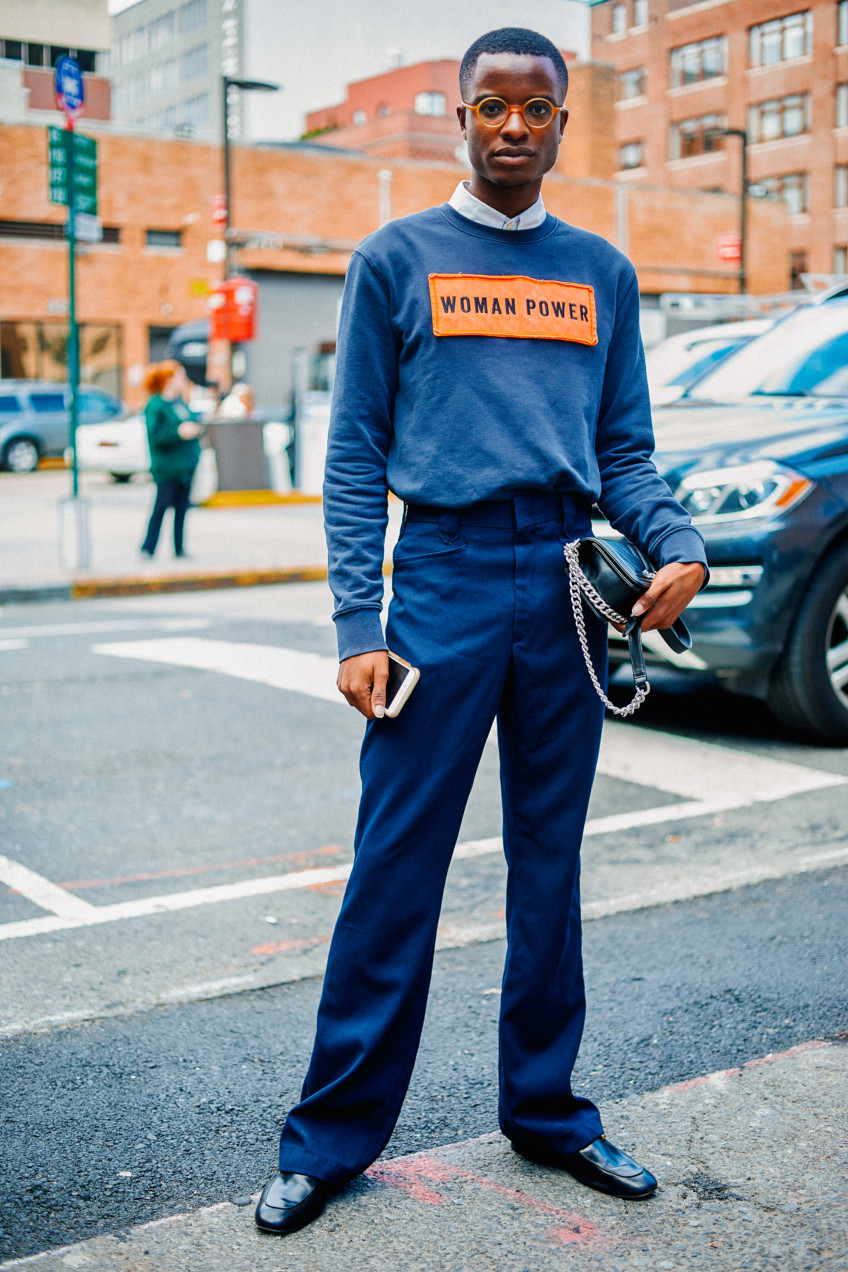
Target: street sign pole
73	329
70	96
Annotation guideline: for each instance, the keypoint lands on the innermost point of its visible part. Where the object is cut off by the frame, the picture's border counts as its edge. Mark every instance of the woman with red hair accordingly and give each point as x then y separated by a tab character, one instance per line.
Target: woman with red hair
172	433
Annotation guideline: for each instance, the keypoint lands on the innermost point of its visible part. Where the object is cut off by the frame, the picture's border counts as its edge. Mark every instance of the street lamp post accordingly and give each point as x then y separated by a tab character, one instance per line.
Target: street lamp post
743	211
245	85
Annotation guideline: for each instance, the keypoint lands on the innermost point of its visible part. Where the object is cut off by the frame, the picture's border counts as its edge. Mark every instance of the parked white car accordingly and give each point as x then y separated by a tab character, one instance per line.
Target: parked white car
118	447
678	361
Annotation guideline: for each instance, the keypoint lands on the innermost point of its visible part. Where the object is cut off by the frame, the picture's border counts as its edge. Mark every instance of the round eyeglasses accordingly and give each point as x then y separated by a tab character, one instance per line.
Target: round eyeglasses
492	112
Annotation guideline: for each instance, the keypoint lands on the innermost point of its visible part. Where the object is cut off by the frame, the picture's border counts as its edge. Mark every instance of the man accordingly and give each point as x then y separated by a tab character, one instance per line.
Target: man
490	372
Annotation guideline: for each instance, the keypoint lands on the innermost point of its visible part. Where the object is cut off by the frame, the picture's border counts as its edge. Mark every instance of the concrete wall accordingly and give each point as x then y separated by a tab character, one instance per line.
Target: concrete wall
76	24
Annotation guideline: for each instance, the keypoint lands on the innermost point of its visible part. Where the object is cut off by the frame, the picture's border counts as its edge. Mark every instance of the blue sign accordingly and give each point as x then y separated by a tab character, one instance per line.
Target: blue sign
70	90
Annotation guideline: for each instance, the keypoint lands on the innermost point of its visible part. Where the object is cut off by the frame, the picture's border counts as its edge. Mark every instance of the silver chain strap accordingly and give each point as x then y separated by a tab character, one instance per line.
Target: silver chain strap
577	584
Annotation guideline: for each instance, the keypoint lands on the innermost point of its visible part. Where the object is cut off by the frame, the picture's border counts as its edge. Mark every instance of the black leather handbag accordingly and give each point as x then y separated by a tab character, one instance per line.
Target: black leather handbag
609	575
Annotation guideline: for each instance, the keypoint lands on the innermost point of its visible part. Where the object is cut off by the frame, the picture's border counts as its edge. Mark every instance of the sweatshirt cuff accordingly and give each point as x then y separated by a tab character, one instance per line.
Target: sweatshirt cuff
684	545
359	632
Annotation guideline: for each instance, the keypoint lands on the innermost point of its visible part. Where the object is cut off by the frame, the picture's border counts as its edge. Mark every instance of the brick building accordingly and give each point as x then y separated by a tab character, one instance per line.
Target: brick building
775	69
297	211
408	112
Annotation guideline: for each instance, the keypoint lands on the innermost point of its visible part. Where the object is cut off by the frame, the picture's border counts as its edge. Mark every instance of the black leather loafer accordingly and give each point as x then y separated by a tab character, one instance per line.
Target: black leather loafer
599	1165
290	1201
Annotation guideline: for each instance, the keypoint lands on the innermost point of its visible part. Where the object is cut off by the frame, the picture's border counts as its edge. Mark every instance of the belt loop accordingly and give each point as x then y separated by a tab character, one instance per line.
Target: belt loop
449	526
569	512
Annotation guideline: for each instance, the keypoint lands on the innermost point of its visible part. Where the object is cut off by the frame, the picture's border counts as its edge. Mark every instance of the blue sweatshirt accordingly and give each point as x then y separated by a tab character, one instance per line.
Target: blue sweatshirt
474	364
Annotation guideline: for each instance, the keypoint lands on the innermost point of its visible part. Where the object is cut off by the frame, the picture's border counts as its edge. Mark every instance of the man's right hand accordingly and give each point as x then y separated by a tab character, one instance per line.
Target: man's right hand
362	679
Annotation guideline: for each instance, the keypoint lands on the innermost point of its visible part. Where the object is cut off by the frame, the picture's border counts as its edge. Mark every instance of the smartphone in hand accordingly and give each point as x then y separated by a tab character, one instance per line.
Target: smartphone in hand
403	678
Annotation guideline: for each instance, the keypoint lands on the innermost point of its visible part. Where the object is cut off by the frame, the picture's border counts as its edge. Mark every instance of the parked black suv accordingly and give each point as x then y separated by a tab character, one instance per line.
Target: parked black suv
757	452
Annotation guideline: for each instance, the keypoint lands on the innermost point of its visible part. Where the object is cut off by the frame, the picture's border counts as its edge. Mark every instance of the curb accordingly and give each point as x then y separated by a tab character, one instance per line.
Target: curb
256	498
86	589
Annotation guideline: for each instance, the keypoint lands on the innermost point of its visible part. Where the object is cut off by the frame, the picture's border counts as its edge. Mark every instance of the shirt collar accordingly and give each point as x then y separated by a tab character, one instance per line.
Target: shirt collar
473	209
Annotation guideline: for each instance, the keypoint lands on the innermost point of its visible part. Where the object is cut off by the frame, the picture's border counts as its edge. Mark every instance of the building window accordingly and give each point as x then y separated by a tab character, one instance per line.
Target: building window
842	22
131	92
632	155
163	77
840	186
430	104
698	136
38	351
195	63
196	111
640	13
164	120
692	63
12	50
632	83
781	40
164	238
793	188
619	19
359	118
163	31
797	268
841	105
783	117
384	109
840	260
193	16
131	47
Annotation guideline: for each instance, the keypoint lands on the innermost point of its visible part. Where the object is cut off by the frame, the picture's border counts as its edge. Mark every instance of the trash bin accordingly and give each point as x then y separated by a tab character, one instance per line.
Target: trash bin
239	453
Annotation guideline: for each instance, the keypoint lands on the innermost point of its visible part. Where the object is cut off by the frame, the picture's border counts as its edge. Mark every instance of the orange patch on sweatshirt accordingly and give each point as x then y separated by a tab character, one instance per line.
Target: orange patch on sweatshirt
512	305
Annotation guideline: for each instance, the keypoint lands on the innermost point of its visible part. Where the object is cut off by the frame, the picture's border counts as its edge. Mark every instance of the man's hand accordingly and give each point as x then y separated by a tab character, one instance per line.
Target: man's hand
362	679
670	592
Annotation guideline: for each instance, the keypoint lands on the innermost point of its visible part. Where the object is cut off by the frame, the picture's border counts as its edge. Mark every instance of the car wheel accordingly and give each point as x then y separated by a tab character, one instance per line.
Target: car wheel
20	455
120	476
809	691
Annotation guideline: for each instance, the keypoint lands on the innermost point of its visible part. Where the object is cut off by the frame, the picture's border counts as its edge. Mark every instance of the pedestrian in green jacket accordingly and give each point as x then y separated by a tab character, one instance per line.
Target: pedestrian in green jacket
172	433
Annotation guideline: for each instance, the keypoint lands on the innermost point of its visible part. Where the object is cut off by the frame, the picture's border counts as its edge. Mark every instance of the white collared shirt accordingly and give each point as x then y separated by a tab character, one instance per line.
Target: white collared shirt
465	203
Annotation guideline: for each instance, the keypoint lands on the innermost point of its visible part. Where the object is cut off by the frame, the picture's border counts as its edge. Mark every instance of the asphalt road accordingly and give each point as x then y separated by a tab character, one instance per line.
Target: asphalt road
162	948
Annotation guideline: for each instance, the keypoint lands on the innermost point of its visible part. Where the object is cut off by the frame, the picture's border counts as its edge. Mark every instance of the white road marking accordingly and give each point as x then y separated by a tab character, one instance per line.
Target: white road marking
715	879
708	778
715	775
42	892
271	665
106	625
703	770
6	645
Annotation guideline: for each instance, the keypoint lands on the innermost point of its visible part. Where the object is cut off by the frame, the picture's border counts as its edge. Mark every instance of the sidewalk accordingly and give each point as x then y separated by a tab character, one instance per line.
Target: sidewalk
229	546
751	1164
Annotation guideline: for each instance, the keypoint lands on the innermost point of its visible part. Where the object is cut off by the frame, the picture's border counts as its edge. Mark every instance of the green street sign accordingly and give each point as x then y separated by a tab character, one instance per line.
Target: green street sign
85	169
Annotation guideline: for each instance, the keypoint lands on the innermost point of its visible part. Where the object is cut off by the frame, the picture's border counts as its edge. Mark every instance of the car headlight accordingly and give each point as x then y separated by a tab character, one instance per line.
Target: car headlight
760	489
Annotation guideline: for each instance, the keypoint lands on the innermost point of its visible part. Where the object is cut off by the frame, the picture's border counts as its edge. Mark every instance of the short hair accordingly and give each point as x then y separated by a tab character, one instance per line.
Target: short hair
158	374
512	40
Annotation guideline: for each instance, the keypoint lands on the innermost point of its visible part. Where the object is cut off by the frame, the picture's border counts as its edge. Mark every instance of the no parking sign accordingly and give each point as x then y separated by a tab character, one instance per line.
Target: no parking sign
70	90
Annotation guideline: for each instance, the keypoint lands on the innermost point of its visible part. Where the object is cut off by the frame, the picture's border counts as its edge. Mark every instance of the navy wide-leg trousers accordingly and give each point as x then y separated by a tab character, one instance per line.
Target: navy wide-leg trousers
480	604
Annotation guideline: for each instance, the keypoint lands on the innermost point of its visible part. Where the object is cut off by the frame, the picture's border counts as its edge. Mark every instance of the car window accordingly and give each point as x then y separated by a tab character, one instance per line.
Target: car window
9	405
823	373
707	360
778	357
95	404
44	402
